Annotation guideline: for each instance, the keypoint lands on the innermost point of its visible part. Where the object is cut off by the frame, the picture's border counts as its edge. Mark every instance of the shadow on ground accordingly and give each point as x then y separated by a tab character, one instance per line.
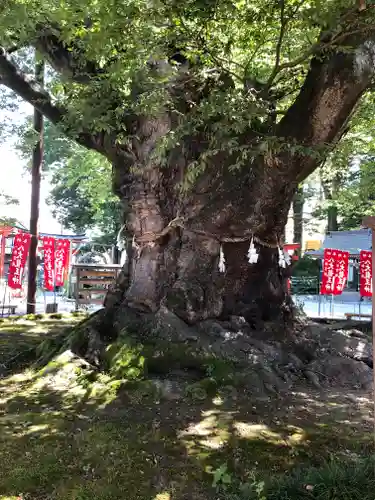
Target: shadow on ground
19	337
64	438
73	444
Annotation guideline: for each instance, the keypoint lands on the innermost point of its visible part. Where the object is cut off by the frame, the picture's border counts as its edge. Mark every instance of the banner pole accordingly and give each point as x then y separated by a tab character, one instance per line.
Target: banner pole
369	222
5	291
54	275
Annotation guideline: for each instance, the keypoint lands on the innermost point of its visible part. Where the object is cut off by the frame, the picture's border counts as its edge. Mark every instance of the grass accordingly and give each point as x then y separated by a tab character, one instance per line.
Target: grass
69	434
333	481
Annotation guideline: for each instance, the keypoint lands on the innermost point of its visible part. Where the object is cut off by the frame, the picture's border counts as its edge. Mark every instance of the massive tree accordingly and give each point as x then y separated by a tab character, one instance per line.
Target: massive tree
212	114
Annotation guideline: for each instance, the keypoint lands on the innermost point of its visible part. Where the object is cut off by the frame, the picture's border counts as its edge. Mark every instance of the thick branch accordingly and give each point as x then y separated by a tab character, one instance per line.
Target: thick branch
335	82
66	60
33	93
27	88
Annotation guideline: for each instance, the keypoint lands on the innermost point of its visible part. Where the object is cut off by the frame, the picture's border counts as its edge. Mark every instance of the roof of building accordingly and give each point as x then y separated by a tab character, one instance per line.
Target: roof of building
351	241
74	237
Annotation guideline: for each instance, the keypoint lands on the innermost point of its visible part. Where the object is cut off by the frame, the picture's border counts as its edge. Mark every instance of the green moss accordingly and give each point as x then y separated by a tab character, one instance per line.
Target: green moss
129	359
86	378
77	340
162	357
125	360
196	392
49	347
220	370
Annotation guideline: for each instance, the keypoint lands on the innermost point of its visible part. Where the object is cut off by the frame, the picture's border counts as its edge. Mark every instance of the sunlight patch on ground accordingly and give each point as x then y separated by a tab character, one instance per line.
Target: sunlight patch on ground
257	431
211	433
64	376
14	384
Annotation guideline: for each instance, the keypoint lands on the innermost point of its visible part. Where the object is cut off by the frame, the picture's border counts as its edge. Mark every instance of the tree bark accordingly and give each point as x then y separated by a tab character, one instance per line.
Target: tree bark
36	174
298	204
330	190
177	264
177	242
332	223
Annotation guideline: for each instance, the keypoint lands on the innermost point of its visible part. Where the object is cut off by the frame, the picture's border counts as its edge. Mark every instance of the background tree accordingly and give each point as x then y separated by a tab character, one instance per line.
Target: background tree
5	201
81	197
347	174
209	125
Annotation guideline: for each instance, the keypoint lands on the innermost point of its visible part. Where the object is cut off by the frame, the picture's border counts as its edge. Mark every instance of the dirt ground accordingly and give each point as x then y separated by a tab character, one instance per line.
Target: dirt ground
60	439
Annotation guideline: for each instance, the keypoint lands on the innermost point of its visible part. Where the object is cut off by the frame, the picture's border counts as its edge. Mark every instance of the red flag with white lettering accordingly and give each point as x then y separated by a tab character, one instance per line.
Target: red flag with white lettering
49	262
61	261
20	251
335	271
365	269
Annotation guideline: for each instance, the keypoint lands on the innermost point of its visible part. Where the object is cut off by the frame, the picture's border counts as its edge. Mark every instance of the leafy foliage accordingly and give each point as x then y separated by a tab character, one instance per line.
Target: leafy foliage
81	197
264	51
184	64
7	200
348	174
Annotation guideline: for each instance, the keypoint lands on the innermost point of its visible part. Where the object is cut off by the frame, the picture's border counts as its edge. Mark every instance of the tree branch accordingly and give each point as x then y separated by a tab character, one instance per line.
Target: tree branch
334	84
66	60
326	41
283	25
27	88
34	94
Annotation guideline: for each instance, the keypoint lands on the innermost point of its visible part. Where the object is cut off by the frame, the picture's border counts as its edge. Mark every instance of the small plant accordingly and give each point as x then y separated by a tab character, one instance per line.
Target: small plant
86	378
336	480
253	489
221	477
30	317
196	392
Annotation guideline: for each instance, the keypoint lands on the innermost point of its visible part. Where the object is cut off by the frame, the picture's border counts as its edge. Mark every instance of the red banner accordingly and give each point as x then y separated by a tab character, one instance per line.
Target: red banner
335	271
5	231
365	269
20	251
49	262
61	261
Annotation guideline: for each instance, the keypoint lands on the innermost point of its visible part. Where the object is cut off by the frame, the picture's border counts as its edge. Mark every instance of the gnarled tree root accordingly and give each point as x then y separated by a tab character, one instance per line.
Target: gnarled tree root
128	342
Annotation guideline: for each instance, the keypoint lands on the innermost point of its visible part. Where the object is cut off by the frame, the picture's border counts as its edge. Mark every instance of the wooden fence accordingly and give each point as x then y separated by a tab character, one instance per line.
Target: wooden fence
92	282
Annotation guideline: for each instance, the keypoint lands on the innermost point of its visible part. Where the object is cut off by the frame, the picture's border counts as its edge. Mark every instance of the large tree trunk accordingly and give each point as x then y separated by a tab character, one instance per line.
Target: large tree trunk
177	245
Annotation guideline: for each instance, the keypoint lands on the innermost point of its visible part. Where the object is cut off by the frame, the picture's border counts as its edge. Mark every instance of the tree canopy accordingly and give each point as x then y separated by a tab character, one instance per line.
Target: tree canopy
265	50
